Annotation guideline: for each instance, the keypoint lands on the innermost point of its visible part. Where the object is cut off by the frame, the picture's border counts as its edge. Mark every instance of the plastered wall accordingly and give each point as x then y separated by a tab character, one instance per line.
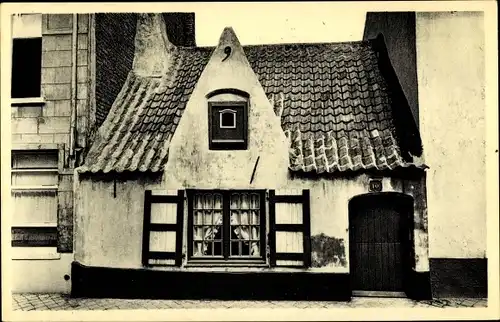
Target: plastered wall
192	164
109	224
450	61
109	229
40	274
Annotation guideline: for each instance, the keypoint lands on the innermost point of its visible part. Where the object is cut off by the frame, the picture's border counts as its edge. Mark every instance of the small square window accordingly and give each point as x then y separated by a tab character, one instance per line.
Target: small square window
228	128
227	119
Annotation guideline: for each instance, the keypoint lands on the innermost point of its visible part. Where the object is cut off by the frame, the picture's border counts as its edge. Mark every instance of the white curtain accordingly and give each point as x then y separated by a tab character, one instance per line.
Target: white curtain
244	212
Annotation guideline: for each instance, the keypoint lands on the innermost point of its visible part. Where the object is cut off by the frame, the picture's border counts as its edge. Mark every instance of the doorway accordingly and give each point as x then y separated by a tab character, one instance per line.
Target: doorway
380	235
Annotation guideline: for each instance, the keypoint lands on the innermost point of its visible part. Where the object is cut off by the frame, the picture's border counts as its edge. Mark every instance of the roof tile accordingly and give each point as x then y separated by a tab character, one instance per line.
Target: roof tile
334	103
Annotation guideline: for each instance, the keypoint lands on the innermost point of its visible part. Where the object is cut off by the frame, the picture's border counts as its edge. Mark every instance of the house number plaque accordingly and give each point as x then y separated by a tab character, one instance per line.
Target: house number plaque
375	185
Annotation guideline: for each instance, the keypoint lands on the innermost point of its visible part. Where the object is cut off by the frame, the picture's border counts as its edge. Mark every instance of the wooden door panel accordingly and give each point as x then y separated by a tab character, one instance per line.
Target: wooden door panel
377	240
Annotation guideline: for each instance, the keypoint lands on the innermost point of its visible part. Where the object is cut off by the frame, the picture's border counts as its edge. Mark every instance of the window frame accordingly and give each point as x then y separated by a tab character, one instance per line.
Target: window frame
15	77
49	228
229	144
226	258
233	114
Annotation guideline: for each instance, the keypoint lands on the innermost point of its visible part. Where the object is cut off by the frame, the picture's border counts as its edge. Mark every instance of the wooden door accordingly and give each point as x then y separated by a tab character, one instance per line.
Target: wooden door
379	239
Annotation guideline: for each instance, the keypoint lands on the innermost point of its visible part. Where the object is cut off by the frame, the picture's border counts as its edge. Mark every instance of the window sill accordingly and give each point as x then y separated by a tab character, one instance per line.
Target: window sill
34	188
27	101
208	263
35	253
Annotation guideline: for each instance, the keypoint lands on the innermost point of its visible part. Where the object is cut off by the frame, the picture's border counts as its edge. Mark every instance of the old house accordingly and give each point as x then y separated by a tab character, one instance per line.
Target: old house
268	171
160	169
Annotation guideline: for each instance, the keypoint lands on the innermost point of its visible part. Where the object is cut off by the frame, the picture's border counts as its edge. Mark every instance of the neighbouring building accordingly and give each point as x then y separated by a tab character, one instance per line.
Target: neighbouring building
284	171
443	52
60	69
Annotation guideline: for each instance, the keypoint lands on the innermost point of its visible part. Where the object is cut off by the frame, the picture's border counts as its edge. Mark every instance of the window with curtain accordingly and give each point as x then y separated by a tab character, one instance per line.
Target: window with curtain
227	225
34	187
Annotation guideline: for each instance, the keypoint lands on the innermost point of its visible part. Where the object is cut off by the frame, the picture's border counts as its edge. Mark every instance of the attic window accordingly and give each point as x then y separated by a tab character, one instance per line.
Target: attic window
227	119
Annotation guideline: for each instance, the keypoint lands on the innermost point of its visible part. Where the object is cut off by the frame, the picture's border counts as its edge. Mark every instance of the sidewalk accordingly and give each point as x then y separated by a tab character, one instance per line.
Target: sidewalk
58	302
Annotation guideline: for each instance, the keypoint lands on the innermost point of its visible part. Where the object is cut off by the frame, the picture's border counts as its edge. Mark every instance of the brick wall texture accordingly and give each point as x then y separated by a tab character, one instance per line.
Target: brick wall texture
115	46
115	34
50	122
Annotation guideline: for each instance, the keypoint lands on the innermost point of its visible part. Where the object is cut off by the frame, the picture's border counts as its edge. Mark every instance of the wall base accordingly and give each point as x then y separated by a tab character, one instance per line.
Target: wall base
101	282
419	286
459	277
42	274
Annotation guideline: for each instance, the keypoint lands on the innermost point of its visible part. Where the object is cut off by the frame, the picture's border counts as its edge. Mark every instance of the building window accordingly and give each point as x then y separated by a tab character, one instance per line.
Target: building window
26	67
228	128
34	184
227	119
227	225
26	56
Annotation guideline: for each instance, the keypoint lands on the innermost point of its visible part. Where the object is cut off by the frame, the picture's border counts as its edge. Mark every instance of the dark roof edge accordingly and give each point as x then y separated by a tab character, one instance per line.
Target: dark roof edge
407	132
290	44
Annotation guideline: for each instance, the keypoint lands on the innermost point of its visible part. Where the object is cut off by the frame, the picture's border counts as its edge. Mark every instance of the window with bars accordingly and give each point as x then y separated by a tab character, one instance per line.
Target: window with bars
226	225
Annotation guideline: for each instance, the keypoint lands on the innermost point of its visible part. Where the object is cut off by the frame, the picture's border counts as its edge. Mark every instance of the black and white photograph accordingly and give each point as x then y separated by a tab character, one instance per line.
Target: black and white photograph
279	156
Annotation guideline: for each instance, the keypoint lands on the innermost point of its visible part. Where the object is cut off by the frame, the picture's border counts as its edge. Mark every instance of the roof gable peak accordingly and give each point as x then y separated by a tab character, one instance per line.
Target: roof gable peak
153	50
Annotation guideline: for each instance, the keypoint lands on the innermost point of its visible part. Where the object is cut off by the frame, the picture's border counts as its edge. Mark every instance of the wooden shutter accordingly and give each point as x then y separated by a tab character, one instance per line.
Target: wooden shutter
290	228
163	222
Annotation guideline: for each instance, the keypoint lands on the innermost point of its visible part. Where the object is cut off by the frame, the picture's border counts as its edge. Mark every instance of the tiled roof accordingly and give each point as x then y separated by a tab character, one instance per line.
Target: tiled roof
333	102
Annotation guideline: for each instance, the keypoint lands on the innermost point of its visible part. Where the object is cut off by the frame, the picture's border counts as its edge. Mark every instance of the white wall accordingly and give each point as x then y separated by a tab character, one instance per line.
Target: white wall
108	230
40	270
450	67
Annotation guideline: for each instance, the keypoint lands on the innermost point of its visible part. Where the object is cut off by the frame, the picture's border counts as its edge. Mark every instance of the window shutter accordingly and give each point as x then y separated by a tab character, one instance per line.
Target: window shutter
163	223
290	228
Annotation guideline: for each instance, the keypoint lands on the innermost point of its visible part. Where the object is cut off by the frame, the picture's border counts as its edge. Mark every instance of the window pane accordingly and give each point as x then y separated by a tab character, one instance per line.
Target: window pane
198	249
217	248
34	179
245	201
235	248
26	25
228	119
255	249
255	233
198	201
198	218
26	67
208	201
235	218
217	201
198	233
34	160
254	217
245	249
244	218
254	201
207	218
235	201
217	218
30	207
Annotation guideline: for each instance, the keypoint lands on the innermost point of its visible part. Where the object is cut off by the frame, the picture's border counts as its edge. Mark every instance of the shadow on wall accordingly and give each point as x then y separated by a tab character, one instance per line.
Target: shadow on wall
327	250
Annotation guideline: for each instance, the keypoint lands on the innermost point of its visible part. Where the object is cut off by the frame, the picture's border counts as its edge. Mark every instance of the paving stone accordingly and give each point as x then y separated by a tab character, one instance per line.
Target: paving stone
30	302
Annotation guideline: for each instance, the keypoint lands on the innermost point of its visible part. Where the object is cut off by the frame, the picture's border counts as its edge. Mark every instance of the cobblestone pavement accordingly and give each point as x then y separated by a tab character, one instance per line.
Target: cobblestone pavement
58	302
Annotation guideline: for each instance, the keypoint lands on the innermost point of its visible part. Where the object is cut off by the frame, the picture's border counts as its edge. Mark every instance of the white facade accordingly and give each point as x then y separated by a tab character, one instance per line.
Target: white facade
452	124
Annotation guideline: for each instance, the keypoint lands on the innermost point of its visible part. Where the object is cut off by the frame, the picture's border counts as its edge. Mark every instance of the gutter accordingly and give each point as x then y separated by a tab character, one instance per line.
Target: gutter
74	52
